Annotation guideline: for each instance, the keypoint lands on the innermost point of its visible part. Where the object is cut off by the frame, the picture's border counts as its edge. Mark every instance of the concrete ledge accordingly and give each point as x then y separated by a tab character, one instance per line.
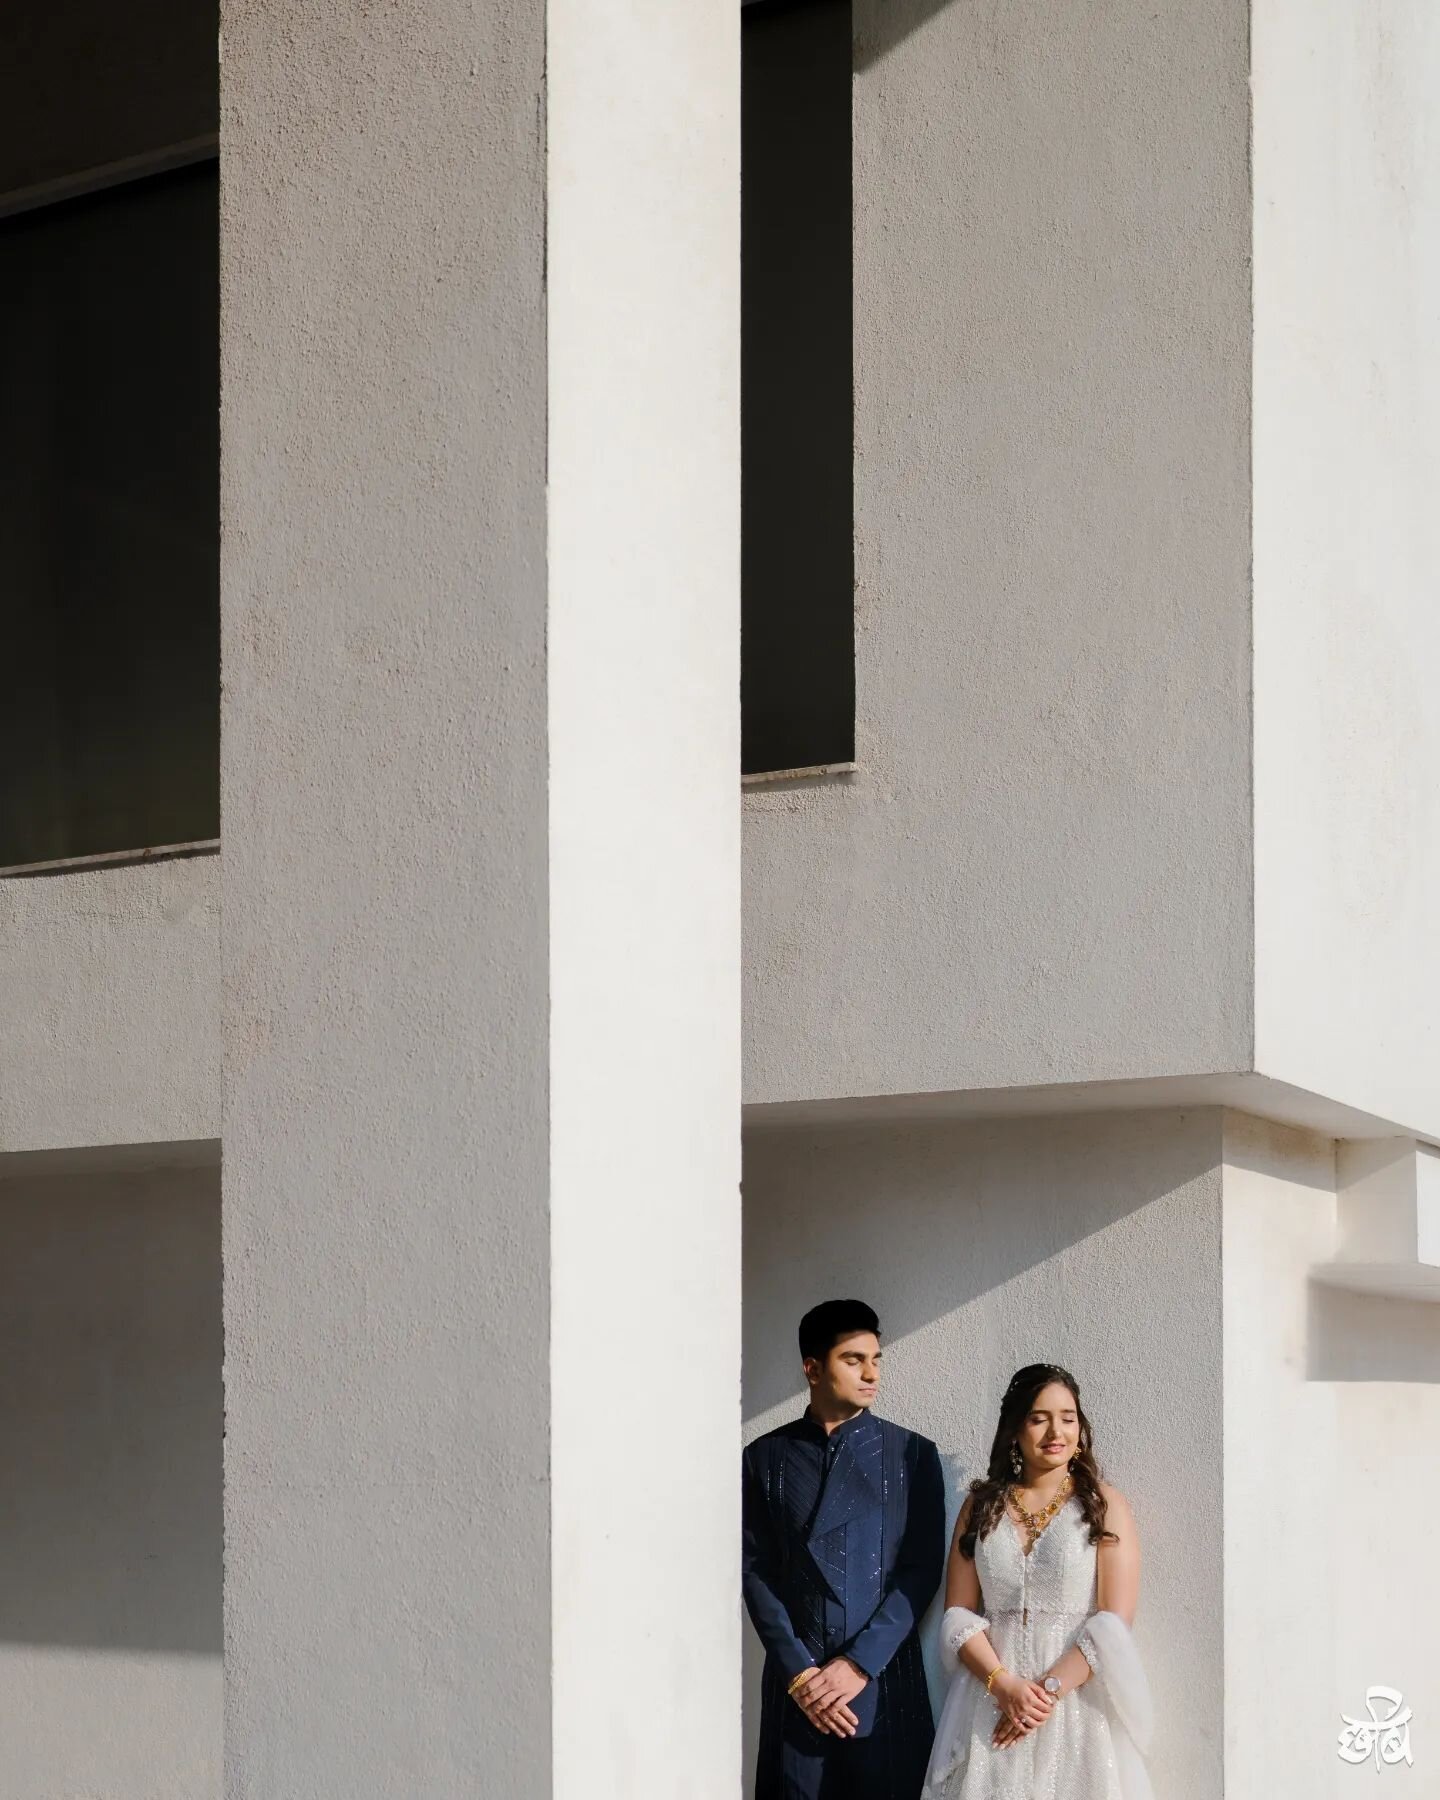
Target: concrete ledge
1236	1090
109	1007
110	1159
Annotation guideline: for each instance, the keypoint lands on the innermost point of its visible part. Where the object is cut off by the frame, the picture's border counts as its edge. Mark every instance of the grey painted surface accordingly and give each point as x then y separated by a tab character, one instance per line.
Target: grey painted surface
385	991
110	1504
1094	1242
1043	871
109	992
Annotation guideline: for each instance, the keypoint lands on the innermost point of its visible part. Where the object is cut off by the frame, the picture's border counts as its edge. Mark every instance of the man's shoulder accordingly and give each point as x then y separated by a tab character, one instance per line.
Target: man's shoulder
769	1442
913	1442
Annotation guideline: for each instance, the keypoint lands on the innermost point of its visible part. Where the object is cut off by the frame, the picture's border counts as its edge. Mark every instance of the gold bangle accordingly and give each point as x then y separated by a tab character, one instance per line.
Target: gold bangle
999	1669
800	1680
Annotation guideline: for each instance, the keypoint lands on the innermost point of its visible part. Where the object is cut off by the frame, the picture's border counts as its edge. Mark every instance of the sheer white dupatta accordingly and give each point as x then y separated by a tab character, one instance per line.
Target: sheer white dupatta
963	1698
1108	1645
1119	1678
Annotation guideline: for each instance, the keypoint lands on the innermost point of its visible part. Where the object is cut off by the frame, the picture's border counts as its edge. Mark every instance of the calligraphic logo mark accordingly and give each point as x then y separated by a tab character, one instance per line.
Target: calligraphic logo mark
1385	1735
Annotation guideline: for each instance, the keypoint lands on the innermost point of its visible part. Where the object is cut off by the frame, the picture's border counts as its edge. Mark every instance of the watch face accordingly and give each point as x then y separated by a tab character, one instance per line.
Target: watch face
1052	1685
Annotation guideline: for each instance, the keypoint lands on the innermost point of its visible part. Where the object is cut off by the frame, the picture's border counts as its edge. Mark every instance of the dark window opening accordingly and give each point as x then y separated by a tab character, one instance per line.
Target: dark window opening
109	521
797	506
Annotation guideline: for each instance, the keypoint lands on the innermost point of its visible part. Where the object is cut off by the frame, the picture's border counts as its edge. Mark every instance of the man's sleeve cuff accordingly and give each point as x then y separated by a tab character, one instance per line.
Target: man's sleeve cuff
793	1659
863	1659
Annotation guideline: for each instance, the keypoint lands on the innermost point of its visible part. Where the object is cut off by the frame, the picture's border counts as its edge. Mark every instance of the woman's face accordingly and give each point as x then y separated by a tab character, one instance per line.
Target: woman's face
1050	1433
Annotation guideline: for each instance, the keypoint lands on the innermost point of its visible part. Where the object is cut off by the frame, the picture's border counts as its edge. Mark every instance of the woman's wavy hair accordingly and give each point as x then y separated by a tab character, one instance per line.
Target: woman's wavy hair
987	1495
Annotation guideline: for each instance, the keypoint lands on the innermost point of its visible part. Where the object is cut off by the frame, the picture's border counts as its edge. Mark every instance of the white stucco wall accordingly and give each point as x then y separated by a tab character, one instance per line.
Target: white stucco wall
110	1526
1042	871
1094	1242
109	993
1347	540
1332	1412
643	264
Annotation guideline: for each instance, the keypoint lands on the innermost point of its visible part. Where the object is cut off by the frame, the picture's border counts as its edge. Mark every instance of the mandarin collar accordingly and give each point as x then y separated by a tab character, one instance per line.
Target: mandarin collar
812	1427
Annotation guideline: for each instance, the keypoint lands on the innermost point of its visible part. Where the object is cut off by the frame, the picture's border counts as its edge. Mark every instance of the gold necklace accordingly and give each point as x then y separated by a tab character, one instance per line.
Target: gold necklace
1035	1522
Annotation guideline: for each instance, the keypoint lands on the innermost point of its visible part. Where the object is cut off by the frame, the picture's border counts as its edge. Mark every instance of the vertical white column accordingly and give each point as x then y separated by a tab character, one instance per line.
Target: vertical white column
643	102
384	902
481	904
1346	443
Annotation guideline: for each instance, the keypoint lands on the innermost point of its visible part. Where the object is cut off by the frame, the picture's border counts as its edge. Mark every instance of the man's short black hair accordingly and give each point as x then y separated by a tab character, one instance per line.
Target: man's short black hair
823	1326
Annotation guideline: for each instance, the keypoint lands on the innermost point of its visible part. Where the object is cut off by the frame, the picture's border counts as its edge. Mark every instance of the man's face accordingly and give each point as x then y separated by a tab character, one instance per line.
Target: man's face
850	1374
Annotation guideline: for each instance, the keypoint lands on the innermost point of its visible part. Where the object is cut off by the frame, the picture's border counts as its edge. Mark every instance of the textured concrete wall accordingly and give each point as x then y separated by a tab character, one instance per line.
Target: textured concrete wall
109	992
1095	1242
1042	872
383	601
642	102
1332	1411
452	1233
1347	540
111	1417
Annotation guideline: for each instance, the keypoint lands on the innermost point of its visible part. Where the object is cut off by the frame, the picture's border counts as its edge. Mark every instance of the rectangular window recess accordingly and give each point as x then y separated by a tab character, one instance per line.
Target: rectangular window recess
797	549
110	521
66	865
818	772
94	181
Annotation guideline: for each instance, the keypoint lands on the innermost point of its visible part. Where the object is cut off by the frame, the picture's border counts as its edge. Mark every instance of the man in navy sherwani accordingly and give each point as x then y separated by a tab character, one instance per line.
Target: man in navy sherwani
844	1549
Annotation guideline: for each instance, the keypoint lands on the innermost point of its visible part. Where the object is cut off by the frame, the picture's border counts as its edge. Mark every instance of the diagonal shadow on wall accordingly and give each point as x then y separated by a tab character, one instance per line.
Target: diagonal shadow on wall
881	25
924	1221
1089	1240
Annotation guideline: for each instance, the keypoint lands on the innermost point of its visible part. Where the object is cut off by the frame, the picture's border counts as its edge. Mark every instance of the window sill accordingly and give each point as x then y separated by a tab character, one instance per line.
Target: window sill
820	772
110	859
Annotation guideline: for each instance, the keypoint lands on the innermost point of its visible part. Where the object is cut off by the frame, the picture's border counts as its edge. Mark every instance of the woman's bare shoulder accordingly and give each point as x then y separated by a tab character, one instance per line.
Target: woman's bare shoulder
1118	1516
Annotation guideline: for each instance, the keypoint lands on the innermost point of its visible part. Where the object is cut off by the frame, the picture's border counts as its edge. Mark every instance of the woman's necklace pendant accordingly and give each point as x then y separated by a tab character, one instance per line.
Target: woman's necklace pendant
1035	1522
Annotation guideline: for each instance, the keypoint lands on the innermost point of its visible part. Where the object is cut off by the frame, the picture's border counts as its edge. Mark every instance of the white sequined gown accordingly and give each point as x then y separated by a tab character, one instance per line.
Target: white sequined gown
1037	1606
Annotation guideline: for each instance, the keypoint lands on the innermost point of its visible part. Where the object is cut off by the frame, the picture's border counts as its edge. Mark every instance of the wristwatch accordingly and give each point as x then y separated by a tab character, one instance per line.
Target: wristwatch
1052	1686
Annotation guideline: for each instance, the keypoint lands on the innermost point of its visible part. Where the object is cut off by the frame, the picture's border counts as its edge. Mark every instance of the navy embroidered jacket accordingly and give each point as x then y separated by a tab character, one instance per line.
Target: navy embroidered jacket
844	1548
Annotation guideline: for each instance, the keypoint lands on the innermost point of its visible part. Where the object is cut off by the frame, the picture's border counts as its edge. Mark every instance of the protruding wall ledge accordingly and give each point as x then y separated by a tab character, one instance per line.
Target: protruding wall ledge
1388	1204
110	997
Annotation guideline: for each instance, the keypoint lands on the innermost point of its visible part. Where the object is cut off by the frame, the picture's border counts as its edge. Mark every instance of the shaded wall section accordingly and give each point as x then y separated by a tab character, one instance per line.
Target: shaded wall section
1093	1242
110	993
91	85
110	1488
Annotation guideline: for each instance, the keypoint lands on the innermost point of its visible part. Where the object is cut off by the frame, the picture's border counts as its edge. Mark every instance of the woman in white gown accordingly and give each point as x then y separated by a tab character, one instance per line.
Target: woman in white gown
1048	1700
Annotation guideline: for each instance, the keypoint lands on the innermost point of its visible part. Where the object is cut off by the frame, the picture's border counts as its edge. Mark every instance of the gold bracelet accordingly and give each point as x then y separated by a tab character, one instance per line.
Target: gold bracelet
999	1669
800	1680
